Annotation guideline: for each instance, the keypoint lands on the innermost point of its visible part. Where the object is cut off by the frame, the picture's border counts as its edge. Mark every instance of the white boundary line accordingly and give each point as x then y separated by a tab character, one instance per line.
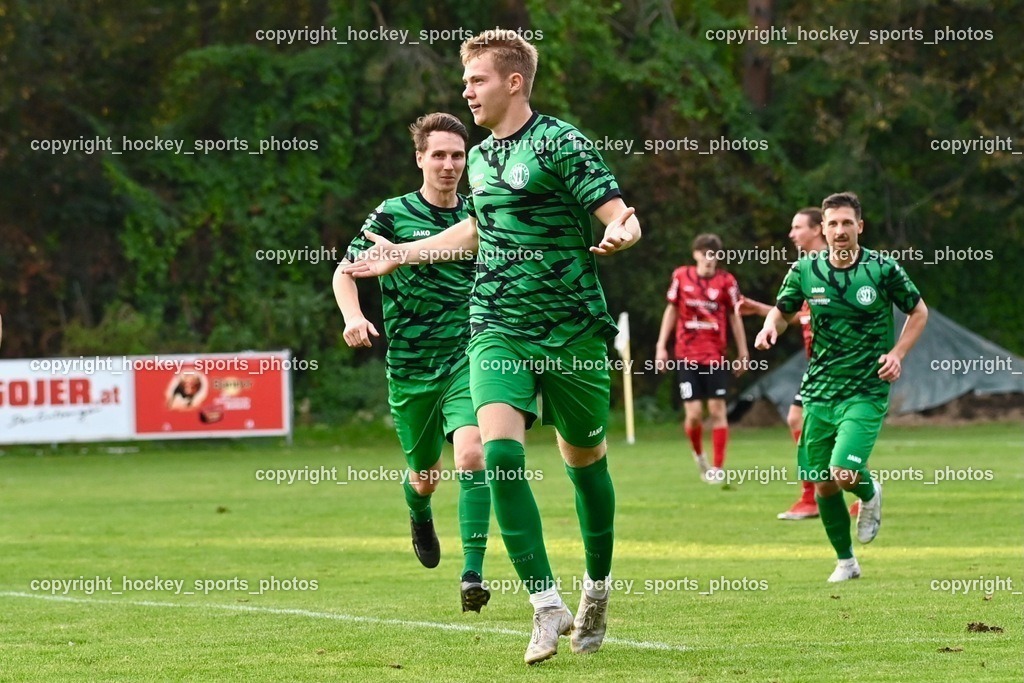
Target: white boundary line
636	644
951	639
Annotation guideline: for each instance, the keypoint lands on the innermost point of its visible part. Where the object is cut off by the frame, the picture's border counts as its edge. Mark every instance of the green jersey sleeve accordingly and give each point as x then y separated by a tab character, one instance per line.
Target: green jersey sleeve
901	290
791	295
581	167
381	222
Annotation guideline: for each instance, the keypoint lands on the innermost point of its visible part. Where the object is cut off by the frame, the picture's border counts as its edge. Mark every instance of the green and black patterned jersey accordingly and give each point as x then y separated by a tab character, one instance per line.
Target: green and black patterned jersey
426	307
851	320
532	195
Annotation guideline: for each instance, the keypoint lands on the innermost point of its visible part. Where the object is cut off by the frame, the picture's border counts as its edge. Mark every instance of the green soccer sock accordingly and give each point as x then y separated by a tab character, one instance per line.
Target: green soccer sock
419	506
474	519
517	513
595	507
836	520
865	490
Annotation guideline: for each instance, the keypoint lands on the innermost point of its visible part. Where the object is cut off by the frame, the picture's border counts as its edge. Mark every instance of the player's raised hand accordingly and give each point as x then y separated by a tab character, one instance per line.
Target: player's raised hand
891	367
380	259
766	338
358	331
616	236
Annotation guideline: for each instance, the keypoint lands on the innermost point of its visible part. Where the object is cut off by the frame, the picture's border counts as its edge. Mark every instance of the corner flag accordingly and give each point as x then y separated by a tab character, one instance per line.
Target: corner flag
621	344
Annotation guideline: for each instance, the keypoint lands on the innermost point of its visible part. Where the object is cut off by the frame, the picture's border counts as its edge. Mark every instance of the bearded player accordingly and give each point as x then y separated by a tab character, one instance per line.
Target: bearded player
851	291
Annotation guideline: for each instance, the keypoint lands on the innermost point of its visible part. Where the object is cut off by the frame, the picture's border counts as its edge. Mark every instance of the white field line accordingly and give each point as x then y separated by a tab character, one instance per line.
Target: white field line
637	644
335	616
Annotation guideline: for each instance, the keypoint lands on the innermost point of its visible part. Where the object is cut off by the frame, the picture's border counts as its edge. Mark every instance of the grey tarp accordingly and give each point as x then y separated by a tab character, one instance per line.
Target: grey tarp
929	378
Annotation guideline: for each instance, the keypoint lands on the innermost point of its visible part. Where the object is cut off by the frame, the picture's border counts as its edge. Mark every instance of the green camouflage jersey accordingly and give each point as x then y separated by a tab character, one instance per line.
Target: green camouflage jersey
532	195
851	321
426	307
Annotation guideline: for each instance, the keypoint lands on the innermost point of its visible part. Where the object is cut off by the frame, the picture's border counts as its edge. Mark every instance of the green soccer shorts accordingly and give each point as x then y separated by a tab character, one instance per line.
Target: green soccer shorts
427	413
839	434
574	383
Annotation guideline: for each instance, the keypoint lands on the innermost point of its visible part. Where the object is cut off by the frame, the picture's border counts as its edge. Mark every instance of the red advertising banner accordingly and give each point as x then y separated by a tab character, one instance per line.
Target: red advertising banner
214	395
106	398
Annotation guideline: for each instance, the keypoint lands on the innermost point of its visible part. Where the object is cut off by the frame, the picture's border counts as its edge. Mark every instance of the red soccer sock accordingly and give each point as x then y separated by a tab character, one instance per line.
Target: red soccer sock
720	437
696	435
808	495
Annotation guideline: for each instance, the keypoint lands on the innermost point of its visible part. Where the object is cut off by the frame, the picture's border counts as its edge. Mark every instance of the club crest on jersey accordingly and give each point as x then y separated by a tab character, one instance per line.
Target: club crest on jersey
866	295
518	176
712	293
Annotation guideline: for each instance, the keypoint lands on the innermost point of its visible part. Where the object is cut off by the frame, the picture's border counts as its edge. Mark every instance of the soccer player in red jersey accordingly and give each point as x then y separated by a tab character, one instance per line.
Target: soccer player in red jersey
701	301
806	234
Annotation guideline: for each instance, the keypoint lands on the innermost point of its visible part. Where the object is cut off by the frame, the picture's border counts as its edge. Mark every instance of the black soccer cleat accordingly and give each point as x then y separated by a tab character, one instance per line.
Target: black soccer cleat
424	543
474	595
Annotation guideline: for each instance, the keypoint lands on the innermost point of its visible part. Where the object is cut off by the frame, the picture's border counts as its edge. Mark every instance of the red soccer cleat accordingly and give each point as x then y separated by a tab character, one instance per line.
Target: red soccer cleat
800	510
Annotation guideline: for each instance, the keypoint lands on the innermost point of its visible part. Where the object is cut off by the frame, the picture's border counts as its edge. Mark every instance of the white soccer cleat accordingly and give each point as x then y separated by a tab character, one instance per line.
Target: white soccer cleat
548	624
845	570
590	624
869	517
715	475
702	465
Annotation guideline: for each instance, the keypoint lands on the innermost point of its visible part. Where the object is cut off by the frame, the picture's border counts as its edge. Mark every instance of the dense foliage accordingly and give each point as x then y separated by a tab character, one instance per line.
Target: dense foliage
158	251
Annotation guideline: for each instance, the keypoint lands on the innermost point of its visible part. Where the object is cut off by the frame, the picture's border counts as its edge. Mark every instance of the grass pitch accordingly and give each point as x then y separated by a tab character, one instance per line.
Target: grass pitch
308	581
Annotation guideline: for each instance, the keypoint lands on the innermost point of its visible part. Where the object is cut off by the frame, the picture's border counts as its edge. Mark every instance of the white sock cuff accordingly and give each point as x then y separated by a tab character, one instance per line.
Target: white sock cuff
596	589
546	599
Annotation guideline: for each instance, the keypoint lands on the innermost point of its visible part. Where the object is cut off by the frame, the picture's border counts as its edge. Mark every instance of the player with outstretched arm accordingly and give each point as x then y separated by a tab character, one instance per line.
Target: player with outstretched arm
539	320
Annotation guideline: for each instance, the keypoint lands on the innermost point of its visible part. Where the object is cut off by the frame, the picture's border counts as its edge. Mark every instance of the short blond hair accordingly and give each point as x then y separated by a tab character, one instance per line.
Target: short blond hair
512	54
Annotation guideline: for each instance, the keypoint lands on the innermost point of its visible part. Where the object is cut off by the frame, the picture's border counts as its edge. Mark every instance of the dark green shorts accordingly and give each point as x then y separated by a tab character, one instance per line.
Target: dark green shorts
427	413
839	434
574	383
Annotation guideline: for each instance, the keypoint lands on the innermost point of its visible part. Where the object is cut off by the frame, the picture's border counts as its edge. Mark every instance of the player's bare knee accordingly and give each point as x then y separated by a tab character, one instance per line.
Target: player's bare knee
824	489
470	458
719	418
425	481
469	451
844	478
693	417
424	486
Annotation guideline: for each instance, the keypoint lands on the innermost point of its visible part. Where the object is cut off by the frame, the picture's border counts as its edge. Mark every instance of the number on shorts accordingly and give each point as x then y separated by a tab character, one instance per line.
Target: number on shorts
685	390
